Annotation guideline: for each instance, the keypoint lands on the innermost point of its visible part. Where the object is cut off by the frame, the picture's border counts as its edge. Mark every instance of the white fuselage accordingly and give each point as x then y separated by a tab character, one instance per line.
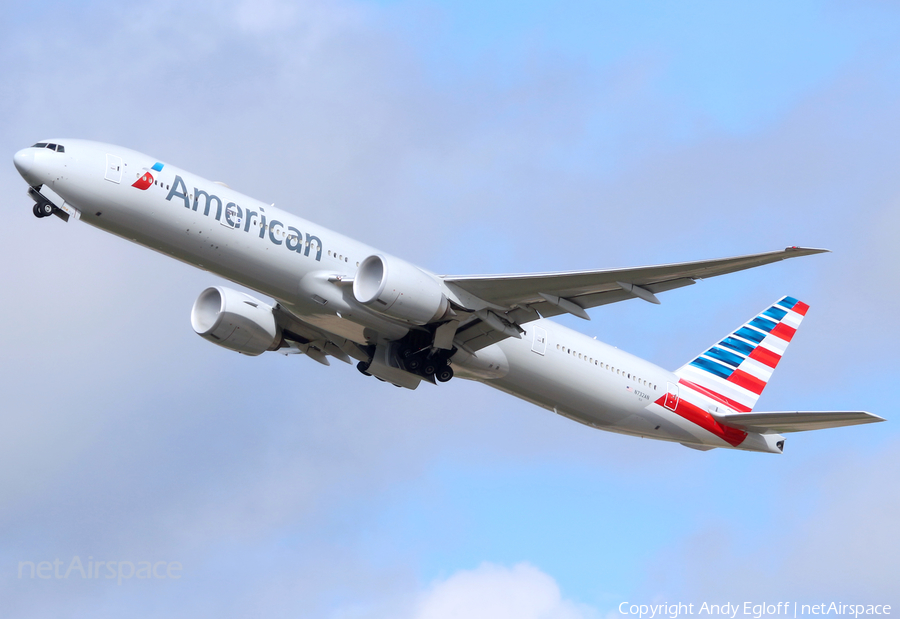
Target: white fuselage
290	259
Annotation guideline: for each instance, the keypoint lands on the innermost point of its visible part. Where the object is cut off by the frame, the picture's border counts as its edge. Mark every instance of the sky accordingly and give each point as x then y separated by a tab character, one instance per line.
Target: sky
466	137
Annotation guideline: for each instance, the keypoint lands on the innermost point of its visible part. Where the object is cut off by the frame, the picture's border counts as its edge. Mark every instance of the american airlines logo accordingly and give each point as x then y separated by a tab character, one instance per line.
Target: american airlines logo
232	215
147	179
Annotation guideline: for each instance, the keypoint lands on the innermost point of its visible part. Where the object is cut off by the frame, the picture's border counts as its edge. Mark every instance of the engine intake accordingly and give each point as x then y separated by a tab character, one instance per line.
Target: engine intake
396	288
235	321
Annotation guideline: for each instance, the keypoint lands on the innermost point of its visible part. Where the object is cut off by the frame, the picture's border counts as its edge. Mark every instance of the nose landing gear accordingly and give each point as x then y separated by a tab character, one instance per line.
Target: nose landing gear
42	206
43	210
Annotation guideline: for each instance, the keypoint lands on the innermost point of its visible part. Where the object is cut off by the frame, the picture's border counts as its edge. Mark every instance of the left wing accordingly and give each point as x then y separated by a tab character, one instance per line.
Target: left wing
502	302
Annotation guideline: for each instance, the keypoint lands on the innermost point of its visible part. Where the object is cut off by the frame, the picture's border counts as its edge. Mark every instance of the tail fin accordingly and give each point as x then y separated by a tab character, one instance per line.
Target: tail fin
735	371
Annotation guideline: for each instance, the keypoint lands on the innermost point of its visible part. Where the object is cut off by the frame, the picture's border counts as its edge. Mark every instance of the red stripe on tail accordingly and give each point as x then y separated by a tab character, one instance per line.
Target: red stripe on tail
747	381
702	418
718	397
765	356
783	331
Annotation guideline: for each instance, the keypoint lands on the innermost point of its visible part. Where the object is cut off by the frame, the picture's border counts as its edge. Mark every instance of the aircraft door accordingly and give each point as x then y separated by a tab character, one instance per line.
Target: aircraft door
114	168
539	345
671	400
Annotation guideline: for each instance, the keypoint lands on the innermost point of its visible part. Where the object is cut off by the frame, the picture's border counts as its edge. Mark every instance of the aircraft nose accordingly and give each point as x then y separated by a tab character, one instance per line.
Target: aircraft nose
24	162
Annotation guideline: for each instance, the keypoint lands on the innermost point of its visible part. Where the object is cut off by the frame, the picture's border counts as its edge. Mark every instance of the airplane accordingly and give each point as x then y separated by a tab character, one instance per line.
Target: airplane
335	297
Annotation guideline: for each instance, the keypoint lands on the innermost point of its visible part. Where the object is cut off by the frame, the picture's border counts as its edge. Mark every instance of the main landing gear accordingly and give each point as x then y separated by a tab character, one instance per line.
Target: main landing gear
427	363
414	354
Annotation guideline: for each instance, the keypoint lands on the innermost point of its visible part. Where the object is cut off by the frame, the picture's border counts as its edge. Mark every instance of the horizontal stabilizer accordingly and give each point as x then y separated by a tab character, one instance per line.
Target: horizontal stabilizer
795	421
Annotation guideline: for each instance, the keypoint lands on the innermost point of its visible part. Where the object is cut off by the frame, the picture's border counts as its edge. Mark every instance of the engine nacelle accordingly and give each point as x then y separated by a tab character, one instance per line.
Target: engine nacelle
396	288
236	321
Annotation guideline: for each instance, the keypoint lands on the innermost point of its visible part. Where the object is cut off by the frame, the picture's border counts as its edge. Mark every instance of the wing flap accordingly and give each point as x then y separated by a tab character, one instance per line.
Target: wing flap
611	296
795	421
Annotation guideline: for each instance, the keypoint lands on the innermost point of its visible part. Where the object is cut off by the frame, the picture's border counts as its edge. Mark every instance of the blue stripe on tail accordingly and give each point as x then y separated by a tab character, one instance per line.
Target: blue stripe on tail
737	345
724	356
712	367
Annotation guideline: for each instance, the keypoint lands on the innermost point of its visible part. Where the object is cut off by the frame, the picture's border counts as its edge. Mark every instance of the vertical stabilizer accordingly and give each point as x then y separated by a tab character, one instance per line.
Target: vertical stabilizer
736	370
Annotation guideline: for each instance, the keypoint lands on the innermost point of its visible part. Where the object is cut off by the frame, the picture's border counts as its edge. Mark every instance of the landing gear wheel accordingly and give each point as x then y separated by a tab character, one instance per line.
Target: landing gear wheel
414	364
37	211
444	374
46	209
429	368
363	367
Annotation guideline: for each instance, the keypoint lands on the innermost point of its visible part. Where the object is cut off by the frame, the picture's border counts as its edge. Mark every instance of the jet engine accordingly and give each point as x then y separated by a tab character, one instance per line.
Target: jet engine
235	321
396	288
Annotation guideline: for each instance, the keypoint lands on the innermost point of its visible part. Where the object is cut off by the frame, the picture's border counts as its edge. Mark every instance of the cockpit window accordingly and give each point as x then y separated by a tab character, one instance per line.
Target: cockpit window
57	147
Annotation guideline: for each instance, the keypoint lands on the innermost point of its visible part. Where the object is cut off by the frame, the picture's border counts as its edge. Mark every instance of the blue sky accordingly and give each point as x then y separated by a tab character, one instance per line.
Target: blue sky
466	137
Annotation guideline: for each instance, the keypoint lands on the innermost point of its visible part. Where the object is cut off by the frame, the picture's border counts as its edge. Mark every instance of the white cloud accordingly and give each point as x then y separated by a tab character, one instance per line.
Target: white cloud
495	592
